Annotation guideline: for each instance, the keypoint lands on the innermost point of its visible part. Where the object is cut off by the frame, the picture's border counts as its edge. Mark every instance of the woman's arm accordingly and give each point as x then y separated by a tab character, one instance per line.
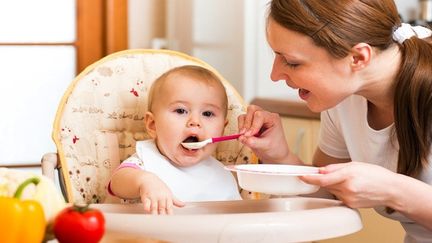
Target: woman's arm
364	185
412	198
321	159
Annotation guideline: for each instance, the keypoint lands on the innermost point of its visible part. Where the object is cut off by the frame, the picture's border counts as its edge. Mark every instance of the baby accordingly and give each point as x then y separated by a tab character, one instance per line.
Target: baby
185	104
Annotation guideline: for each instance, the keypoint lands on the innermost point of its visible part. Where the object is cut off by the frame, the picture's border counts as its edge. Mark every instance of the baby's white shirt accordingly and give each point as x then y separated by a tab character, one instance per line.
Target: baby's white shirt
205	181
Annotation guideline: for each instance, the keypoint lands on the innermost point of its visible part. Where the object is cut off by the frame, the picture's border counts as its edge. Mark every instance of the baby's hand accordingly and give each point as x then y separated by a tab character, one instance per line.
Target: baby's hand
156	197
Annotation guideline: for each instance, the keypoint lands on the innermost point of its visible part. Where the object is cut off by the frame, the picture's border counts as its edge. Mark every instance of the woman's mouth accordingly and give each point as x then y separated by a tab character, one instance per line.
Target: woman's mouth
304	94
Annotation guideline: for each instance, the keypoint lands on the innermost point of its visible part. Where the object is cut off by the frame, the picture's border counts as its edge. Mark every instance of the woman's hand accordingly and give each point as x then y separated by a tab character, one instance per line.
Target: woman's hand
269	144
356	184
156	197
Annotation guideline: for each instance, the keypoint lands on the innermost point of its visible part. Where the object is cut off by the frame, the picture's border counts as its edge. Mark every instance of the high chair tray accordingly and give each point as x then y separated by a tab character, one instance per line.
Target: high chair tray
294	219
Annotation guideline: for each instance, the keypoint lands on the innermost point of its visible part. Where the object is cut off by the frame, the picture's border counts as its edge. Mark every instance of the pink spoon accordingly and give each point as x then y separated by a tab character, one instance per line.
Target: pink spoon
198	145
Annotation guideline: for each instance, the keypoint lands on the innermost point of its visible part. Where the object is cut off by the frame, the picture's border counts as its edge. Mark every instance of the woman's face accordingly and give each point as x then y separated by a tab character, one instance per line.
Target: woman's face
322	80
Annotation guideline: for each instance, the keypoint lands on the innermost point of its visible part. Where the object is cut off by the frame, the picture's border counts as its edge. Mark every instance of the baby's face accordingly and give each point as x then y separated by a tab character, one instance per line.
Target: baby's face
187	110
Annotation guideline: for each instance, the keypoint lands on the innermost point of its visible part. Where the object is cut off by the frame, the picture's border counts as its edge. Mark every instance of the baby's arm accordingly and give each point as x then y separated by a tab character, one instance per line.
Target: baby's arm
131	183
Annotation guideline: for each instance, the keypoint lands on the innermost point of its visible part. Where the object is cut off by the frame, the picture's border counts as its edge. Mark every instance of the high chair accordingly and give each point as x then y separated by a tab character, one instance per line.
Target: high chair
101	116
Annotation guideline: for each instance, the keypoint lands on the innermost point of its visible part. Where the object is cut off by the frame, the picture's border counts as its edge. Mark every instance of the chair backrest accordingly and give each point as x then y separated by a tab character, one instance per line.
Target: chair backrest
100	118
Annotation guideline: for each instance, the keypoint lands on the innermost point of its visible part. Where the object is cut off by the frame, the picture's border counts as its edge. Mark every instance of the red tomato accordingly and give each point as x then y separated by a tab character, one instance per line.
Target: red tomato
79	224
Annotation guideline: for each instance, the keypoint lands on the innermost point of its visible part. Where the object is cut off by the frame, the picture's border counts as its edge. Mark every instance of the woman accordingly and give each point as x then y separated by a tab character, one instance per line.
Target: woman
371	78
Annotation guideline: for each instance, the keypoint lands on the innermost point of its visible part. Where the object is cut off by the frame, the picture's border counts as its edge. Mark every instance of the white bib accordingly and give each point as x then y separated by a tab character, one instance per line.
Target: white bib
205	181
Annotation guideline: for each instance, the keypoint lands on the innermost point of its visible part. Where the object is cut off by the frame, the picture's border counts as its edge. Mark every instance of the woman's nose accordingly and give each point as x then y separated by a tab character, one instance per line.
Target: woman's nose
276	75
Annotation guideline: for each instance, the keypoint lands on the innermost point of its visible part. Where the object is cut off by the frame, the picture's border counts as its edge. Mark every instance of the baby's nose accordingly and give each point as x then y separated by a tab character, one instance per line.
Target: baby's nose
194	123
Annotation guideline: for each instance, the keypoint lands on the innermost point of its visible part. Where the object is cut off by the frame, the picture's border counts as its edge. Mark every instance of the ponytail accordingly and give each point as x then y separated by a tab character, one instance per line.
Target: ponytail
413	106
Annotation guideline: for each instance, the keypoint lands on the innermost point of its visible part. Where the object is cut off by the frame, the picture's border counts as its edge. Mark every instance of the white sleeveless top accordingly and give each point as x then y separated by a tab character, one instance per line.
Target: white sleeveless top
345	133
205	181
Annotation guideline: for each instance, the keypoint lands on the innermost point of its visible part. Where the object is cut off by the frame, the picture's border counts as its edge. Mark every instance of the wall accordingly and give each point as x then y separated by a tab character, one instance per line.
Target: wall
233	41
146	22
211	30
408	9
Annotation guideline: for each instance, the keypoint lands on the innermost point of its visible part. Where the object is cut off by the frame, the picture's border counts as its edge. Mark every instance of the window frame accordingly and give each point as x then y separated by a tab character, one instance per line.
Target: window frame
101	29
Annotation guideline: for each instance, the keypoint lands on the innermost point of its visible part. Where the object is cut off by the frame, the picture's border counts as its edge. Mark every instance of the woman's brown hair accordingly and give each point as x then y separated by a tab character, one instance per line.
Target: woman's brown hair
338	25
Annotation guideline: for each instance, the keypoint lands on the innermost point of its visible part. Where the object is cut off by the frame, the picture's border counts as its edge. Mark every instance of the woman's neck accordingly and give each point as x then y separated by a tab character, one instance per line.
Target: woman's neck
378	88
379	118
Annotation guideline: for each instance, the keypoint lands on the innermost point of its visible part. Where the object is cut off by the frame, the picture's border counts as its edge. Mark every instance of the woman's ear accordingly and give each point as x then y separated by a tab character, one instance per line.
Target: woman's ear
150	124
361	55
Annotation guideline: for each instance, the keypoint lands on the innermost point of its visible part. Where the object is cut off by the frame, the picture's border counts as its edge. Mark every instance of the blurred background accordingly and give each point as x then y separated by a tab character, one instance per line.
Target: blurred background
44	44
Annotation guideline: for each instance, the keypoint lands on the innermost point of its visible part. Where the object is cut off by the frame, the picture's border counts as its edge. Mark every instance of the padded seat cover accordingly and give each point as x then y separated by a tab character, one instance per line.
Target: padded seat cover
101	115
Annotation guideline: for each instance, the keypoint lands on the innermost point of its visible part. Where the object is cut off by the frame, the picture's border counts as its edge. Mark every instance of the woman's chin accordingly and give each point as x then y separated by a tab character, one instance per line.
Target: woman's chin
316	108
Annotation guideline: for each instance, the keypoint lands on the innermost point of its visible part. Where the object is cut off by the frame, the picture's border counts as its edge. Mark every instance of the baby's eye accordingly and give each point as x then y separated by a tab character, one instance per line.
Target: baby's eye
180	111
208	113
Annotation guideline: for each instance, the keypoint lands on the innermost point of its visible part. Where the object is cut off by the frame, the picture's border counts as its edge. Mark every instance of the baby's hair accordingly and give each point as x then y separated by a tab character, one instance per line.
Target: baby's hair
200	74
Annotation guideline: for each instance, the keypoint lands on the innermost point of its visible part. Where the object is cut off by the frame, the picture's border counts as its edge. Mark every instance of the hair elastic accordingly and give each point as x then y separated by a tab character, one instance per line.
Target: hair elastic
406	31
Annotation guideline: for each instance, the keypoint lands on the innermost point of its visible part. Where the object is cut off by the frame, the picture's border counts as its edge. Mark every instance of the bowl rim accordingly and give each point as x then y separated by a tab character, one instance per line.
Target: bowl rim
270	169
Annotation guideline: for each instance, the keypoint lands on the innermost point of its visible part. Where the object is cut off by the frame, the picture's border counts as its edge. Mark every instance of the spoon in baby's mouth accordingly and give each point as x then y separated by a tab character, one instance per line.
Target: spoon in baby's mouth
198	145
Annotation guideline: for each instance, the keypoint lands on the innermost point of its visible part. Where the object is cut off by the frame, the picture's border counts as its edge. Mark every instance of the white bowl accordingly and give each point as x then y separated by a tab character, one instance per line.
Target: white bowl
275	179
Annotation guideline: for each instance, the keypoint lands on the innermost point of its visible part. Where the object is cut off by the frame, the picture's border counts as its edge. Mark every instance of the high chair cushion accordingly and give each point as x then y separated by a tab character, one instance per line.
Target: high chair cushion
101	116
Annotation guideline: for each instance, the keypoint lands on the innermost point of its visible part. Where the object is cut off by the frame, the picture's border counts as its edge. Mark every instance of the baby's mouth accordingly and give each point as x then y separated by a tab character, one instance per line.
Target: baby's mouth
190	139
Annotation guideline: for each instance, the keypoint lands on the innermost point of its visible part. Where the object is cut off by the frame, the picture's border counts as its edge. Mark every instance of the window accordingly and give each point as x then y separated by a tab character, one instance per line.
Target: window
44	45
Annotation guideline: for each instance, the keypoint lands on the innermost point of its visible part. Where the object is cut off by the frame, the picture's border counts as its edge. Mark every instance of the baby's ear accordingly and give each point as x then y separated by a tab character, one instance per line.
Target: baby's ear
150	124
226	122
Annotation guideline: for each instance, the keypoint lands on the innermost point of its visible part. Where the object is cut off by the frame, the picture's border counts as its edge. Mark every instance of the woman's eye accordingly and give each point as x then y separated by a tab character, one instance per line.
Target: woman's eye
289	64
180	111
208	113
292	65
